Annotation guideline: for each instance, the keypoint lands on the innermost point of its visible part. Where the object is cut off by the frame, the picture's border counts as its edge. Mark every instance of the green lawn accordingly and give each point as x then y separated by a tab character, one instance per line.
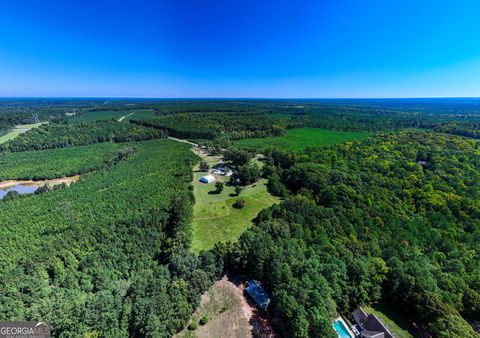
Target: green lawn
215	219
299	139
20	129
112	114
393	326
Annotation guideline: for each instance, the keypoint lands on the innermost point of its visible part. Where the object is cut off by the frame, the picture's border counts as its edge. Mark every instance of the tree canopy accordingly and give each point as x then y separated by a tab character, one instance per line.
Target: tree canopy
369	222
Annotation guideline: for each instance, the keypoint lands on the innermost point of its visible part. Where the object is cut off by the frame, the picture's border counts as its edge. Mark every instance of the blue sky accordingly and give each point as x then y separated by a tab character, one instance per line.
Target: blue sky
227	48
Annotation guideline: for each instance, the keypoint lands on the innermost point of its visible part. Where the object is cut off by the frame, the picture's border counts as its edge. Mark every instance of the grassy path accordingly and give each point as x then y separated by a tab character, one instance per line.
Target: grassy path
121	119
188	142
19	129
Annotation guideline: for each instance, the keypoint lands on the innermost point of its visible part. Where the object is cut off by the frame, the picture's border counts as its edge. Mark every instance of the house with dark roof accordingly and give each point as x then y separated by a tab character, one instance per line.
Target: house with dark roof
370	326
255	290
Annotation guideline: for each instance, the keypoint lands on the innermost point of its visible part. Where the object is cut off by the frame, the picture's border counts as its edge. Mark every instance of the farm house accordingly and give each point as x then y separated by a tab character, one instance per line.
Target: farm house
207	179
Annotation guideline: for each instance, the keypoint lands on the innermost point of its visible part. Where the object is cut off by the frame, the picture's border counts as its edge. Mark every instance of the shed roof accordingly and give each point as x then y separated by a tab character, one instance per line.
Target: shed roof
207	178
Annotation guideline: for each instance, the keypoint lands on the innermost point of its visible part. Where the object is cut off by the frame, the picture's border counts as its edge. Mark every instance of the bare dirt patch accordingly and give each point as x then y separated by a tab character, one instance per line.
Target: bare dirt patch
67	180
230	313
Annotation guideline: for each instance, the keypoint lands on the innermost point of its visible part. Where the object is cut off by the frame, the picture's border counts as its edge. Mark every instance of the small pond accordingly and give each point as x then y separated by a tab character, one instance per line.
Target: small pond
20	188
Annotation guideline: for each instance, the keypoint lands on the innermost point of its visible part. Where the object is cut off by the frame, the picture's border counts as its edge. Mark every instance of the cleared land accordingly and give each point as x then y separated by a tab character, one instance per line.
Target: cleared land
119	115
215	218
123	117
20	129
393	326
299	139
229	313
67	180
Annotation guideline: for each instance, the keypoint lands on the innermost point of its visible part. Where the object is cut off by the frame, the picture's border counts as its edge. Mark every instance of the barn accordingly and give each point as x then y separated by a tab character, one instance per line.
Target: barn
207	179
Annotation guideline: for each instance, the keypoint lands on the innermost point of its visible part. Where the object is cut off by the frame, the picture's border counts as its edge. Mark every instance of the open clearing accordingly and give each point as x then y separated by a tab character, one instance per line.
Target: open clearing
229	313
119	115
214	217
299	139
19	129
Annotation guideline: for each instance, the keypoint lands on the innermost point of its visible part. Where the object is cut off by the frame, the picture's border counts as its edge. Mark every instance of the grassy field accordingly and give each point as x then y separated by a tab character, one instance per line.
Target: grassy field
112	114
215	219
20	129
299	139
393	326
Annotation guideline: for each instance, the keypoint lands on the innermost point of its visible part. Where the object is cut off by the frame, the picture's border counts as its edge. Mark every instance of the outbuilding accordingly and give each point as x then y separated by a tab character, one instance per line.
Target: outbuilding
207	179
255	290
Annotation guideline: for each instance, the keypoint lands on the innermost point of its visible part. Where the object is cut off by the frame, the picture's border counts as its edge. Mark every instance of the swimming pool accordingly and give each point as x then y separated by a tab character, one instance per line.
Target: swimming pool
341	329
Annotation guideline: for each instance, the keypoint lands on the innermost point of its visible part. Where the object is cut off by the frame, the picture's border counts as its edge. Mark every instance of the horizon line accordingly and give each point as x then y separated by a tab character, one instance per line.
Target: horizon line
237	98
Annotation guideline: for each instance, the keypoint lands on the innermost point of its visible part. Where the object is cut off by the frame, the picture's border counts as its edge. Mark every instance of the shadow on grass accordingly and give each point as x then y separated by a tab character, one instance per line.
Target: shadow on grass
396	318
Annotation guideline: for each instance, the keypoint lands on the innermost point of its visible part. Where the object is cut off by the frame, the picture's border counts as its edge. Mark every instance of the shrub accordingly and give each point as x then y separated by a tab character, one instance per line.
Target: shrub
203	320
204	165
276	187
249	174
238	190
193	326
219	187
239	204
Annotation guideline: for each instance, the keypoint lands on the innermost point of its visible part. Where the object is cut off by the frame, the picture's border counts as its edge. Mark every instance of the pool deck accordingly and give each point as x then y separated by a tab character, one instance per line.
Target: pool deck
339	318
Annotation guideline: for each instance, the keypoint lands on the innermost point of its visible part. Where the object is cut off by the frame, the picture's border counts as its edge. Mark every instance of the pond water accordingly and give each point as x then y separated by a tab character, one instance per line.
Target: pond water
20	188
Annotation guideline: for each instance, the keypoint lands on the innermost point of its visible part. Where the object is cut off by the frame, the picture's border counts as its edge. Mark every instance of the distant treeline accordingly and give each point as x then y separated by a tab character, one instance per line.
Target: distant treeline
60	135
216	125
224	120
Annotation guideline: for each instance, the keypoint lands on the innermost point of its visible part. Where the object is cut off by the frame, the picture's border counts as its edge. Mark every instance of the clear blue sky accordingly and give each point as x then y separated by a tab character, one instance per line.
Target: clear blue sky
241	48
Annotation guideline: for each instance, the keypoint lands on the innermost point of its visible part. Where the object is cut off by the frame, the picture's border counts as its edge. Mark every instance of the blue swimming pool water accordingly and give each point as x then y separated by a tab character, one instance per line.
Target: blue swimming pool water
341	329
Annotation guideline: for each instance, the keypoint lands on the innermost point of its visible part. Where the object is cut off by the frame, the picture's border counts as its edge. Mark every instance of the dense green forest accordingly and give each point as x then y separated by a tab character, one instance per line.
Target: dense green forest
60	135
238	119
391	219
226	121
108	256
394	219
55	163
216	125
22	112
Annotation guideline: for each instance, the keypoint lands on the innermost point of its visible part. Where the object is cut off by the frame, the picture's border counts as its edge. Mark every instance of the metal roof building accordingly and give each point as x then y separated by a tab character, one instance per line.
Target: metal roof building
255	290
207	179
